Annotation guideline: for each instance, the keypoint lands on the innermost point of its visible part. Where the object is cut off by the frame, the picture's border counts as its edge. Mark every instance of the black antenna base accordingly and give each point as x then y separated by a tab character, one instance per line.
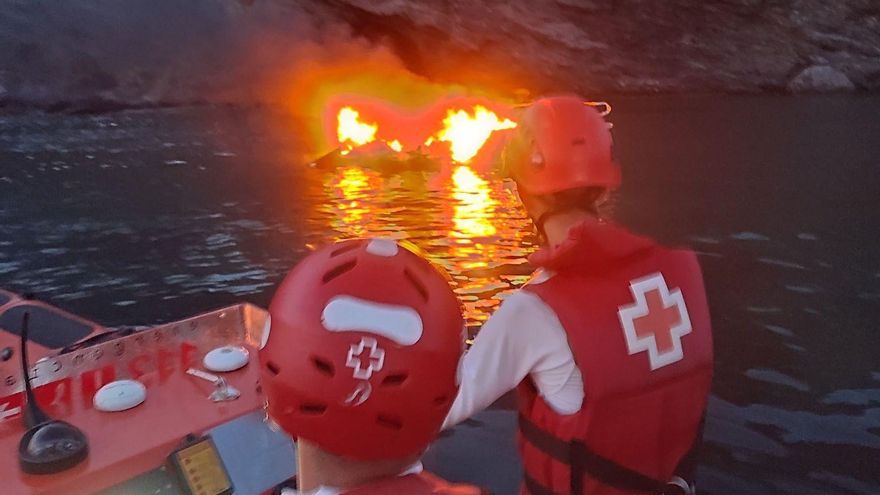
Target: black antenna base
52	447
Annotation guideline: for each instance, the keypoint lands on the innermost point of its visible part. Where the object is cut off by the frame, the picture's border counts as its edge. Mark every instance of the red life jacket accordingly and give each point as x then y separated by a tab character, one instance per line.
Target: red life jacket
637	321
415	484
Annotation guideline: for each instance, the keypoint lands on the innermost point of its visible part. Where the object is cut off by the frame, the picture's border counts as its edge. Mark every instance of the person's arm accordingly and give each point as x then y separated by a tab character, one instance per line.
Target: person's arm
523	337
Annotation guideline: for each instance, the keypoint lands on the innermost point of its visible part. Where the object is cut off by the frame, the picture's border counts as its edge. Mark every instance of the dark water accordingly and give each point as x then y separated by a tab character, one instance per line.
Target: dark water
147	216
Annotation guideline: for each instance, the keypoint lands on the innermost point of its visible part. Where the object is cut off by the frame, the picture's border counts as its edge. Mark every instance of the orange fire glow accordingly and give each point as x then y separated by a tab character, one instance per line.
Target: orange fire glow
466	134
469	223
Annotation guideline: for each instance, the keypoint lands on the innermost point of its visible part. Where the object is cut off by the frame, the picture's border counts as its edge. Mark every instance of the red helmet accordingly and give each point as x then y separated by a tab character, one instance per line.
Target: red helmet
561	143
365	340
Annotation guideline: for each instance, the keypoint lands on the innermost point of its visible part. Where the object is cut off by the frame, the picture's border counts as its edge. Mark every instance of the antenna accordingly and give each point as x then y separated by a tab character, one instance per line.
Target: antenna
49	446
33	415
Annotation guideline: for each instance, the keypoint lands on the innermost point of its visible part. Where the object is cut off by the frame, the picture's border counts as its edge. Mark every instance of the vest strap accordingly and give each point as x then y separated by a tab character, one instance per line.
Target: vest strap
584	460
533	487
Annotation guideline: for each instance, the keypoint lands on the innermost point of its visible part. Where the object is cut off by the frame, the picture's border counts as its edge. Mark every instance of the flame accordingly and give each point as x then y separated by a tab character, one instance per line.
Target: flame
472	215
452	129
395	145
466	134
351	130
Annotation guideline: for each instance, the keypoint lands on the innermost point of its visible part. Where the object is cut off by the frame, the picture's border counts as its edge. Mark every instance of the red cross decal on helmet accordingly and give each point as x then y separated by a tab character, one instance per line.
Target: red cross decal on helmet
656	322
374	361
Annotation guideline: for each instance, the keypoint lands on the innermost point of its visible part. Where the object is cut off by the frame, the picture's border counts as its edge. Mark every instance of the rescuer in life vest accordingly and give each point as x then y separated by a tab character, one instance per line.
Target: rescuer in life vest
609	345
360	367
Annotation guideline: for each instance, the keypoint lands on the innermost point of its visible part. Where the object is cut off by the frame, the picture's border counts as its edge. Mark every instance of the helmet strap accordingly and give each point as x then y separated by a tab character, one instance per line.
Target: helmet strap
552	206
554	210
539	225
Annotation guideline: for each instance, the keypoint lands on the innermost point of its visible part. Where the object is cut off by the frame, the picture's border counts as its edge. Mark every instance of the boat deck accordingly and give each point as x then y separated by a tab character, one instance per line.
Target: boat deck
481	450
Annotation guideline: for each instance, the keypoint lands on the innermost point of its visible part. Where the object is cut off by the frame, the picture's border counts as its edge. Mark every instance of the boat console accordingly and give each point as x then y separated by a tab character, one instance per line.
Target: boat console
196	432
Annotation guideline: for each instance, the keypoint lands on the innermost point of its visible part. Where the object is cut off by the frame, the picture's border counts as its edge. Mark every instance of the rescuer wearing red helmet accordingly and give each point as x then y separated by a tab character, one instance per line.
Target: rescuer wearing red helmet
609	345
360	366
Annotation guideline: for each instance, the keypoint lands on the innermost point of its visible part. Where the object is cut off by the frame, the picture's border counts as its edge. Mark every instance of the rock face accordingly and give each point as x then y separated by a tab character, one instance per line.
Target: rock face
63	54
619	46
820	78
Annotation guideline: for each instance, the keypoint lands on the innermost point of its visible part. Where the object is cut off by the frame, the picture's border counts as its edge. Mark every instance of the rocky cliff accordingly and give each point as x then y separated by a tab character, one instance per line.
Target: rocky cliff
63	54
635	45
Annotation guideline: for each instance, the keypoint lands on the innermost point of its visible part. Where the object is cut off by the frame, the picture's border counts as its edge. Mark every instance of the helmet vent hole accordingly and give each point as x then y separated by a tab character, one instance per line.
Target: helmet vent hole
389	422
394	380
313	409
273	368
349	246
441	401
324	366
339	270
416	284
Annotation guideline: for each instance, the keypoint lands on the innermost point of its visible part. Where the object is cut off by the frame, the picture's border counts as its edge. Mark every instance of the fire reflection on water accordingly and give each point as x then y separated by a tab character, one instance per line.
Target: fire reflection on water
349	191
475	205
471	226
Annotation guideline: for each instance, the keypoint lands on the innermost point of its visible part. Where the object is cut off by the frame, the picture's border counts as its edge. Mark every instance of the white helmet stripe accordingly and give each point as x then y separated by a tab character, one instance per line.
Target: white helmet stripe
401	324
382	247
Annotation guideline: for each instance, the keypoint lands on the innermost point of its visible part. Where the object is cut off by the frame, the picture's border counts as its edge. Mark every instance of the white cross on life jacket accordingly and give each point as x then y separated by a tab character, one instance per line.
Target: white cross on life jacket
656	322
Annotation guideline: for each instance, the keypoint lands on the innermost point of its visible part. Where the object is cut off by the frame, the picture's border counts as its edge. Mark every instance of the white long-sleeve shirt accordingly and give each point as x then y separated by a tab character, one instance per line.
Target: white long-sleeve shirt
523	337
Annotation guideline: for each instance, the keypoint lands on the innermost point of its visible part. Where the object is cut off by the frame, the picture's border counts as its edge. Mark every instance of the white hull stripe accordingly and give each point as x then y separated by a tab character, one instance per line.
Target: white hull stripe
267	329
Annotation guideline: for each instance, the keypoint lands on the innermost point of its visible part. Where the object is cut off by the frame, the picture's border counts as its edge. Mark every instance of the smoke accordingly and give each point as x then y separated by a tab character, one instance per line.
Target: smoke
104	55
101	53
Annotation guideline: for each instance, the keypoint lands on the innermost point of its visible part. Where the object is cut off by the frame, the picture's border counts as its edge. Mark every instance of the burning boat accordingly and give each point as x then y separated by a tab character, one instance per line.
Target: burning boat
376	134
